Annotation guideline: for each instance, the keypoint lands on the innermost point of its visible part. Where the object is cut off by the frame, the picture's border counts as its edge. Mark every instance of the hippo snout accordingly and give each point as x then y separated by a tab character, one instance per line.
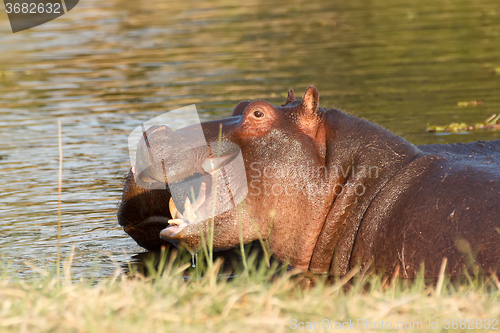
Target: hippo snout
143	212
179	179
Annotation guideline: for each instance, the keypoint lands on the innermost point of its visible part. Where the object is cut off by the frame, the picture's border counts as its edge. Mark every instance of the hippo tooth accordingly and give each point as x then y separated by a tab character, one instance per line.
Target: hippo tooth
188	211
176	221
173	209
201	197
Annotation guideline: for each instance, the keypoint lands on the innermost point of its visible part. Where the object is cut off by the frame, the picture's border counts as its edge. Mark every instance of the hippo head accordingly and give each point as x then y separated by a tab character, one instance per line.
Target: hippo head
278	152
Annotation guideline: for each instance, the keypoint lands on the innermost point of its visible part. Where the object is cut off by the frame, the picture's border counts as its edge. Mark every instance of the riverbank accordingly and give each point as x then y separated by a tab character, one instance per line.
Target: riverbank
261	298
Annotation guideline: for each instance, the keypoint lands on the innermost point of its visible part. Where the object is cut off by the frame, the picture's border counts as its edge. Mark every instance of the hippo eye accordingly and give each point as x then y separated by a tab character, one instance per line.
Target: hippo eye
258	114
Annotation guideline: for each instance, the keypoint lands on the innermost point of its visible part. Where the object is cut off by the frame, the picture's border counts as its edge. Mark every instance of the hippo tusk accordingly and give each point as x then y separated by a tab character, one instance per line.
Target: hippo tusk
176	221
172	208
189	211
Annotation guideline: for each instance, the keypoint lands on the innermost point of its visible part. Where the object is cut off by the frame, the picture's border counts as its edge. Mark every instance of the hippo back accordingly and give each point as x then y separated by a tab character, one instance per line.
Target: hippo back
486	148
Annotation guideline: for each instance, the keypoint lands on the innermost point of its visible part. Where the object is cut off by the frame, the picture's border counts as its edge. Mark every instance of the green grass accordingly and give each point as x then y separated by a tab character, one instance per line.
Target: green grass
177	297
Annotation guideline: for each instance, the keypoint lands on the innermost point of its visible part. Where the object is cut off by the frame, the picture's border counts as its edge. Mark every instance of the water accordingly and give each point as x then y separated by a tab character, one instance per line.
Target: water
106	67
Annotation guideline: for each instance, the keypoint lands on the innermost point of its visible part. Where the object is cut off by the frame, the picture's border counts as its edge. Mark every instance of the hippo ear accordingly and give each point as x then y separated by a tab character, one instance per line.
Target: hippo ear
311	123
290	98
240	108
310	101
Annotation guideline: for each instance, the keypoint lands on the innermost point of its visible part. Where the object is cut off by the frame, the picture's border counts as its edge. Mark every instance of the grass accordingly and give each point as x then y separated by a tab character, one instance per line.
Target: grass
173	297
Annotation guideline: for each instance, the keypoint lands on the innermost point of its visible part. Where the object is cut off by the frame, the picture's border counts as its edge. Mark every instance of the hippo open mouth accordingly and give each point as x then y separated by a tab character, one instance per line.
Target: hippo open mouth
197	208
203	180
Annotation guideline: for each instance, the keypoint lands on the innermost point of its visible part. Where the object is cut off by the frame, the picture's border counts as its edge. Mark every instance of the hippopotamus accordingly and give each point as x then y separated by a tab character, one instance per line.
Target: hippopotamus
326	192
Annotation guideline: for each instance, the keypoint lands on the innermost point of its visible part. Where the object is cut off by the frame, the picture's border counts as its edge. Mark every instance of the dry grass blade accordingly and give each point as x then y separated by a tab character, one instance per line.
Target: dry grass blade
67	266
58	268
394	278
440	280
36	269
346	278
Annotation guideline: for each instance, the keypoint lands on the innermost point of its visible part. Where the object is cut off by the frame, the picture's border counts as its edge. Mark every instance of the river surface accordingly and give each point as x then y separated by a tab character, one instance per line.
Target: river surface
108	66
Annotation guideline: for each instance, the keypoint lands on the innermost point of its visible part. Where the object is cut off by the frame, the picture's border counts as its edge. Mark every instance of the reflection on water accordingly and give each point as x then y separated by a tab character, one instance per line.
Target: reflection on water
106	67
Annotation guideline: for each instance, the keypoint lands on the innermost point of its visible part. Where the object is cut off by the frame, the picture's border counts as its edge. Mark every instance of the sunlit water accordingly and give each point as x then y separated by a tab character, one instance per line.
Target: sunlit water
108	66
